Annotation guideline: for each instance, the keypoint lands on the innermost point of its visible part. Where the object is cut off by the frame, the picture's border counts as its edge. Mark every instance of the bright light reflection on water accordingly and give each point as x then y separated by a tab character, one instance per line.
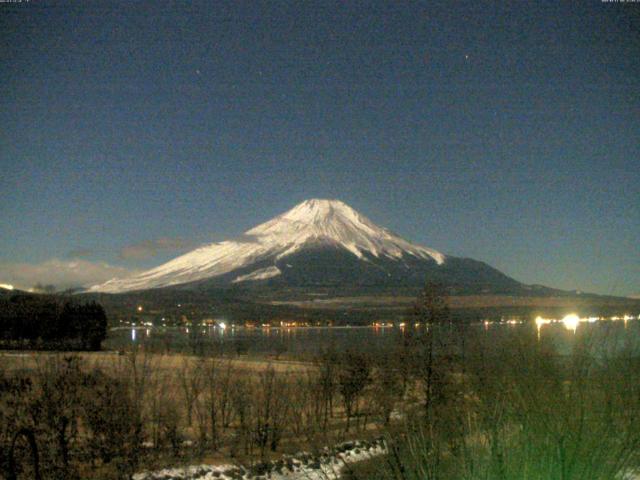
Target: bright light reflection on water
562	331
571	322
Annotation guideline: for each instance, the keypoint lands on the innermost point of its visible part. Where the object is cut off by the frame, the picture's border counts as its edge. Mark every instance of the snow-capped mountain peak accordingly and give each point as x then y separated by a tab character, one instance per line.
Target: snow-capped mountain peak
321	216
335	221
312	222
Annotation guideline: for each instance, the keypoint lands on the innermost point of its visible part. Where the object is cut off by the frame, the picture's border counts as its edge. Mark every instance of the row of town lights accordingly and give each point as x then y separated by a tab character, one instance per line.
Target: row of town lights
572	320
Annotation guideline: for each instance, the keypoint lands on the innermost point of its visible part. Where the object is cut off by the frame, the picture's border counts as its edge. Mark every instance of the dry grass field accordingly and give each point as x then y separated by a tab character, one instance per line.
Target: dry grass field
113	361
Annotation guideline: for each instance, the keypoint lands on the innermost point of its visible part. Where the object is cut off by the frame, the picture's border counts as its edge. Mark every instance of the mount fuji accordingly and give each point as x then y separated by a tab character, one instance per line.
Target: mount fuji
318	243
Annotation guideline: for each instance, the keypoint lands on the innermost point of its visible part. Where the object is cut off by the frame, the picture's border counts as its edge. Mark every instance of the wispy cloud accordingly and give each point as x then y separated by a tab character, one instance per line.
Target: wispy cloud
80	253
62	274
151	248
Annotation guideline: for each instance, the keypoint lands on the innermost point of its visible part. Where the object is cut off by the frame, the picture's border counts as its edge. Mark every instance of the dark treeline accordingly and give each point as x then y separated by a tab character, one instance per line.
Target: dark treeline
44	321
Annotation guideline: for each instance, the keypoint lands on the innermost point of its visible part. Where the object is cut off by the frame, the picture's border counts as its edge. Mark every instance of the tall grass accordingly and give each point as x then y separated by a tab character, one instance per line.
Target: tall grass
518	410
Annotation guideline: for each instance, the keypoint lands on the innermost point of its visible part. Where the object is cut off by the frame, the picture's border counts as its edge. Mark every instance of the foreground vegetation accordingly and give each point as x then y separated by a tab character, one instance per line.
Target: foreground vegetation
517	410
95	417
450	404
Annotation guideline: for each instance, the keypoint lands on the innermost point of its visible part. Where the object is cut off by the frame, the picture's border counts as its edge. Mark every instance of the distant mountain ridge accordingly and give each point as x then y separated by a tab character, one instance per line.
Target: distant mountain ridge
318	243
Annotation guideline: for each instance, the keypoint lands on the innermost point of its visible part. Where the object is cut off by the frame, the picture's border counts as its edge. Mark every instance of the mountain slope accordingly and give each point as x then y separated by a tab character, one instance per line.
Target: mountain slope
313	222
317	243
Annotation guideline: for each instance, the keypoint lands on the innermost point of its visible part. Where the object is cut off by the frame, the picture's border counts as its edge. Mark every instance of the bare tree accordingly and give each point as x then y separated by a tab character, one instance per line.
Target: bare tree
430	312
353	376
211	378
224	394
111	419
327	382
191	384
271	407
242	393
388	386
60	380
137	370
306	410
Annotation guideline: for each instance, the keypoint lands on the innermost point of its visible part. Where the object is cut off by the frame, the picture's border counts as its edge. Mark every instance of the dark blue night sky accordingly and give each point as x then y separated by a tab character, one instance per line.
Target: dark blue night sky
508	132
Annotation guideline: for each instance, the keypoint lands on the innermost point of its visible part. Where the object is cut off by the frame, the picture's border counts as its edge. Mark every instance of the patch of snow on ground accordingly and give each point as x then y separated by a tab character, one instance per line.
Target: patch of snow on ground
325	466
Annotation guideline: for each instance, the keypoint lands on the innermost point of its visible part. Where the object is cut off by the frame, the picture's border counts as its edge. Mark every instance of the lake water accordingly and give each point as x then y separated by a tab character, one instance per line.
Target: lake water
308	341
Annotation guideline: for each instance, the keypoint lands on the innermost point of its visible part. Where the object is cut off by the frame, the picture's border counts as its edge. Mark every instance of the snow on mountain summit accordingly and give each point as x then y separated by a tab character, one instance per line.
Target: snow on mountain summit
312	222
336	221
